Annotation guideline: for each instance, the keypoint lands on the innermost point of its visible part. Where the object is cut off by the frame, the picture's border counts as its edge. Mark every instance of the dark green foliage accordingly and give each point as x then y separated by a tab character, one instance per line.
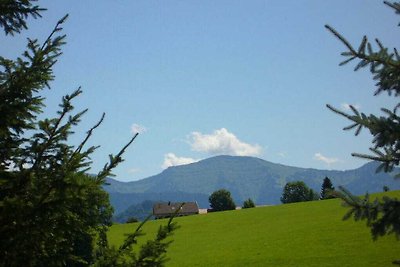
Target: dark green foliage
52	213
13	14
297	191
152	253
249	203
20	81
50	210
47	196
382	216
221	200
327	189
377	213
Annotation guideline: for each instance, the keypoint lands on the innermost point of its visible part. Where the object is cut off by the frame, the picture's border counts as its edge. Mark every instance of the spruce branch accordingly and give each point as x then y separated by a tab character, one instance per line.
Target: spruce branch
367	57
131	239
88	135
114	161
19	80
152	253
58	39
394	5
358	119
13	14
341	38
52	129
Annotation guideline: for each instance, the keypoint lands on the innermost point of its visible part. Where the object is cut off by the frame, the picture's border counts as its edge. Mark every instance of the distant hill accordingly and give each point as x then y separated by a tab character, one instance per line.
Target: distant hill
244	177
122	201
139	211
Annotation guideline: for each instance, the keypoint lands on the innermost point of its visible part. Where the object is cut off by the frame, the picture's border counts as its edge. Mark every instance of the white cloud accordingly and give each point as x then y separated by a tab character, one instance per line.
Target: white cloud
171	159
134	170
329	161
137	128
346	106
282	154
222	142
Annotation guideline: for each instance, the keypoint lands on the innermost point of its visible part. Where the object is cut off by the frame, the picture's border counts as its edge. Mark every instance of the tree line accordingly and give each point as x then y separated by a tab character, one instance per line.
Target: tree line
296	191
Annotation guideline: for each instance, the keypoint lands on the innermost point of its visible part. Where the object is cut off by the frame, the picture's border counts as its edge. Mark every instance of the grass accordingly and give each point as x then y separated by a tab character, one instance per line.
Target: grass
300	234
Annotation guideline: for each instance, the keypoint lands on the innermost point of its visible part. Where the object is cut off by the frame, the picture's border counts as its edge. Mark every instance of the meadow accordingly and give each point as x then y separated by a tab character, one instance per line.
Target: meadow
298	234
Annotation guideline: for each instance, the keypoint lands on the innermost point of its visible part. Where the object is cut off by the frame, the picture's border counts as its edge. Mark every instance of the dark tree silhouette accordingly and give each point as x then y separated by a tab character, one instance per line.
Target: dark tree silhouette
327	189
221	200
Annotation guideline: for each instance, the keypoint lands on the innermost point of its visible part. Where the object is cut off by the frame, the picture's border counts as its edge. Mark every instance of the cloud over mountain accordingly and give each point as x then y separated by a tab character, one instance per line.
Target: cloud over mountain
320	157
170	159
222	142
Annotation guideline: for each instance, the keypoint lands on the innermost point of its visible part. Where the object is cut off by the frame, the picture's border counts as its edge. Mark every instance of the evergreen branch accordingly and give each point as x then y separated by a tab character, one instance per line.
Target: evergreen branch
13	14
88	135
358	120
394	5
366	156
341	38
17	83
365	59
152	252
54	130
339	112
56	28
382	217
131	238
114	160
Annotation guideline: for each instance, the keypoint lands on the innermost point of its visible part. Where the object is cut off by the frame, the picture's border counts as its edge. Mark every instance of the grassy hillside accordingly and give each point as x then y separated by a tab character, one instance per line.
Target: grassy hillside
301	234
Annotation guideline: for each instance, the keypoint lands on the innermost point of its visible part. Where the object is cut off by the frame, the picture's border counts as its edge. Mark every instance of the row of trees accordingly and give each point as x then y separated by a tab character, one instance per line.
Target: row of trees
221	200
298	191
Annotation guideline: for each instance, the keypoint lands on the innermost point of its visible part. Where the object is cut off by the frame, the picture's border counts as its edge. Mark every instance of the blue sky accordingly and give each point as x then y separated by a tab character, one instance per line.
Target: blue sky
205	78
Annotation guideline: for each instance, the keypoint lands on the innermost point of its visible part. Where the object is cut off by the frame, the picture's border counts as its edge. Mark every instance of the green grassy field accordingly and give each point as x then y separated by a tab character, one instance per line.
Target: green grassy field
301	234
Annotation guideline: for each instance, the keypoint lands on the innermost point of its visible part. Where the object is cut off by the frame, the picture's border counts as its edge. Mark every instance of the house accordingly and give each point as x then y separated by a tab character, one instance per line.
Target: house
166	210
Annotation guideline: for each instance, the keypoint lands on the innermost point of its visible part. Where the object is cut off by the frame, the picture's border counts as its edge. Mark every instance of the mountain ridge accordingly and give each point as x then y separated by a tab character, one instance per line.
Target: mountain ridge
246	177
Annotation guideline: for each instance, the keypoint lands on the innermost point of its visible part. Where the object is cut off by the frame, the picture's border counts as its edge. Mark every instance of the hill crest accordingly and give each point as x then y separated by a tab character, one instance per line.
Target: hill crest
244	177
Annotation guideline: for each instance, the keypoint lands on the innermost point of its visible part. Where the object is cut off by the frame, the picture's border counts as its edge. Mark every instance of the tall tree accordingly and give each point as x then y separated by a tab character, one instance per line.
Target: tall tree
221	200
297	191
51	210
383	216
327	189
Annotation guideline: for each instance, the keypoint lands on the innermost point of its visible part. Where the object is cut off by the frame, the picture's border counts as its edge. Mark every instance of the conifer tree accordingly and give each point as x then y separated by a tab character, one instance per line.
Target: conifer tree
382	216
327	189
249	203
51	210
